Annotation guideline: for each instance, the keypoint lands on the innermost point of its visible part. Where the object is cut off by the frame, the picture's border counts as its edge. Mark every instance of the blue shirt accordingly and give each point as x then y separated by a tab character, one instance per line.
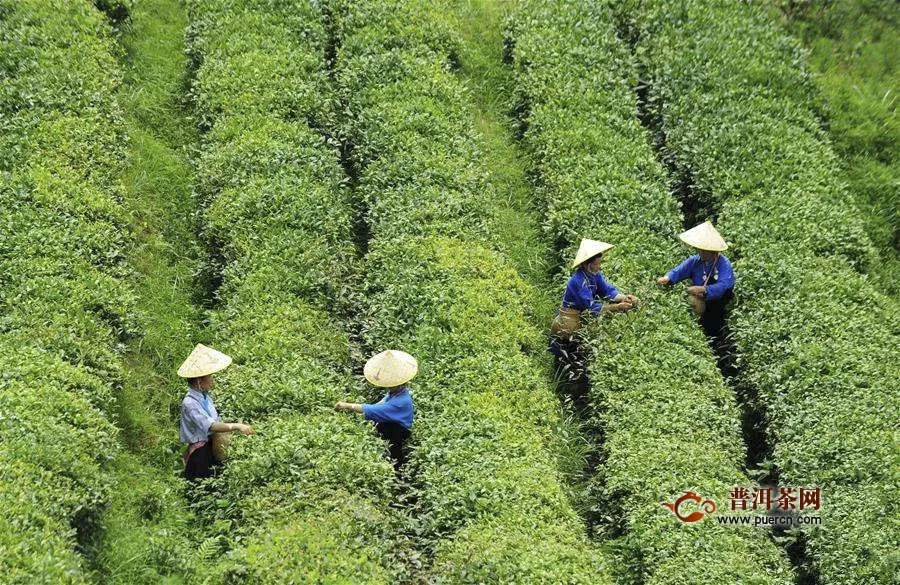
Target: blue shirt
396	408
721	281
197	414
585	290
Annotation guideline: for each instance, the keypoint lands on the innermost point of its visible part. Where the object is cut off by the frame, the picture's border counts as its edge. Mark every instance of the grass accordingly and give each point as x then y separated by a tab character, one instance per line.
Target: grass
856	59
517	224
159	181
149	532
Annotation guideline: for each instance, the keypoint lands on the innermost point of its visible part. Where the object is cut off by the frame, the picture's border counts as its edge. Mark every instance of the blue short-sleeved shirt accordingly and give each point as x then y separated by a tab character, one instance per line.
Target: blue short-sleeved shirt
397	408
721	281
584	291
197	414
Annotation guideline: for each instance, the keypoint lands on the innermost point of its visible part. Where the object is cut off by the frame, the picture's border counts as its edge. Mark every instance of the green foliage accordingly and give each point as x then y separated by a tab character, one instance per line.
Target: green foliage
272	557
281	471
816	338
65	308
669	422
306	498
774	152
269	61
854	54
489	494
50	423
490	552
35	539
147	535
147	531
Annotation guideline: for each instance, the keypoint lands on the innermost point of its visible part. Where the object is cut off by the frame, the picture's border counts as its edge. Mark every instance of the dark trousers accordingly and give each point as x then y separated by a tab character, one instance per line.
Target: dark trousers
201	463
396	435
570	358
713	318
570	368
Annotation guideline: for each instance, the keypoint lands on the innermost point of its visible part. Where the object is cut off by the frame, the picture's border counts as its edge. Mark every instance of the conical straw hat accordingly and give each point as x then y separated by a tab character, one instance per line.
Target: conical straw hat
588	249
203	361
704	237
391	368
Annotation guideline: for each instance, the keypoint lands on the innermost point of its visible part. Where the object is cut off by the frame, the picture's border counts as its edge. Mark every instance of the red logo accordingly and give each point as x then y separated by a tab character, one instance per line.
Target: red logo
708	505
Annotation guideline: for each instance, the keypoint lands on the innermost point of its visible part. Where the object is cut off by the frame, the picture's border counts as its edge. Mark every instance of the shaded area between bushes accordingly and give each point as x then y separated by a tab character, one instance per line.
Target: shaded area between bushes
149	531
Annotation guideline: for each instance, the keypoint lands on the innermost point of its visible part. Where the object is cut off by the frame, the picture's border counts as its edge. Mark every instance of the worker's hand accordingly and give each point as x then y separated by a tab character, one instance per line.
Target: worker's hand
349	407
243	429
631	299
663	280
697	291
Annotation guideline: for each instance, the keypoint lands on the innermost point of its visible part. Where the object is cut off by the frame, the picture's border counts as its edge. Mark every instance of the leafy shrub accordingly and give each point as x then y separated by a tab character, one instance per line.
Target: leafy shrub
853	57
65	308
816	339
669	422
306	498
434	287
272	557
35	539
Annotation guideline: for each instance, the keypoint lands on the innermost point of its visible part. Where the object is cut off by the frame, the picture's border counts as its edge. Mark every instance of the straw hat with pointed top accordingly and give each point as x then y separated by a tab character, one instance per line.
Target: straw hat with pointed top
203	361
588	249
391	368
704	237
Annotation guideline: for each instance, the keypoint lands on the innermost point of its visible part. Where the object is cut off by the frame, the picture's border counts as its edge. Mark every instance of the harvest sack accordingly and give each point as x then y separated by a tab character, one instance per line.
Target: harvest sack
566	322
220	446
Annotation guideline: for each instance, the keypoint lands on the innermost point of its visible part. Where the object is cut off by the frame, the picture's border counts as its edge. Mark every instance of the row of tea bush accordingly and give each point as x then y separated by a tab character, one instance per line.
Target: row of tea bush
815	337
65	305
306	498
490	503
669	423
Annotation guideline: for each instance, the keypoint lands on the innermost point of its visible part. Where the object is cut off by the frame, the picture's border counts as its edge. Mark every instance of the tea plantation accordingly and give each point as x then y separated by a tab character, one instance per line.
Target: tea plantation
303	184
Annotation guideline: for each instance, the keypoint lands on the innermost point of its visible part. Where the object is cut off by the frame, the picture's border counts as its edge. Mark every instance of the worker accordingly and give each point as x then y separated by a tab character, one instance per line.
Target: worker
585	292
199	419
586	289
393	414
711	276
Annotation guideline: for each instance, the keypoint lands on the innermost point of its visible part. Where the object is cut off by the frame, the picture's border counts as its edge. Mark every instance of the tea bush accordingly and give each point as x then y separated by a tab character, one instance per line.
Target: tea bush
278	222
853	60
64	310
816	338
668	420
490	501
